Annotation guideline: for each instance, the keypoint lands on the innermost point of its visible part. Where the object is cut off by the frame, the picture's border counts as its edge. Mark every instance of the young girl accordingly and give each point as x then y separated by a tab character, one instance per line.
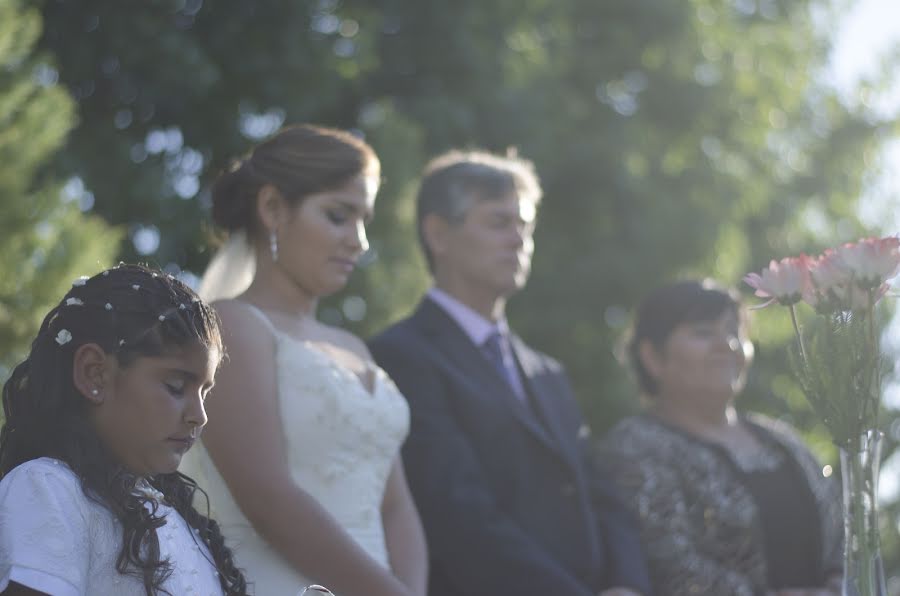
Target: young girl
97	419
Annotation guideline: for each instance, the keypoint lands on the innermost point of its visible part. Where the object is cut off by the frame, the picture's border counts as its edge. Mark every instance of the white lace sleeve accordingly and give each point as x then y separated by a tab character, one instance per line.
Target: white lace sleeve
44	529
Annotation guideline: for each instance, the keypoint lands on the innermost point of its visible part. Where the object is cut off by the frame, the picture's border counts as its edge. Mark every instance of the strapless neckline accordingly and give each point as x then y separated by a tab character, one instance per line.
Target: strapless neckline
373	372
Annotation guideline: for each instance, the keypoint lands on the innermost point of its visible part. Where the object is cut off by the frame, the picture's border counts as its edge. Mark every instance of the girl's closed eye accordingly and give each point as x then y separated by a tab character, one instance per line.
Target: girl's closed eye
175	387
703	330
336	216
500	222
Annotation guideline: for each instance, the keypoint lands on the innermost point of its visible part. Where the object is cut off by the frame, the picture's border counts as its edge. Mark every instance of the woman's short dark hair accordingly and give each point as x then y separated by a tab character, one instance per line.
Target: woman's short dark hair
666	308
299	161
130	311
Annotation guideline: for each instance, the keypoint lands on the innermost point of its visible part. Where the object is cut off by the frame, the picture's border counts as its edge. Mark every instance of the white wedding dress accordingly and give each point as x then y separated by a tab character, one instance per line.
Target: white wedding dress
341	440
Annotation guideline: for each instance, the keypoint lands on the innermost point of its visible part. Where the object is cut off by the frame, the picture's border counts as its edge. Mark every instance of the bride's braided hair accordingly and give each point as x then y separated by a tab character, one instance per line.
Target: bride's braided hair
132	312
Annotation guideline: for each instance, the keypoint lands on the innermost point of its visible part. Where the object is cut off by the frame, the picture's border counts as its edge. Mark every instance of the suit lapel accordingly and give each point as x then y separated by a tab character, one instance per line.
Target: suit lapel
545	398
457	347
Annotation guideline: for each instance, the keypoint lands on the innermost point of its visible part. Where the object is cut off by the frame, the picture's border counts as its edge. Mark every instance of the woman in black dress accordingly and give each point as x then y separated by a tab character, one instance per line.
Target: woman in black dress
728	504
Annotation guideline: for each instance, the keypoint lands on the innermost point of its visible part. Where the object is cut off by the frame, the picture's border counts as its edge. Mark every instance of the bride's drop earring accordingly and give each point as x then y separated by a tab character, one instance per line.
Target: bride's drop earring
273	246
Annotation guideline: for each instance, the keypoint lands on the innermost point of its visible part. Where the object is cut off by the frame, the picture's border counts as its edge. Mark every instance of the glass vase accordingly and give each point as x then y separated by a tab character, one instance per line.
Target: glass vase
863	568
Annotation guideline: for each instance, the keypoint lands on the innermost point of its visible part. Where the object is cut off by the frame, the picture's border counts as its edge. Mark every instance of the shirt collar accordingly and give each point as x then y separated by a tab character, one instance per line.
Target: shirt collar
475	326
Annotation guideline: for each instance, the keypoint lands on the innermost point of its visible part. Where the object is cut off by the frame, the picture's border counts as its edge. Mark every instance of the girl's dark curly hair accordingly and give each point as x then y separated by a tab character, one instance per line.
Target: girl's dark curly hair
132	312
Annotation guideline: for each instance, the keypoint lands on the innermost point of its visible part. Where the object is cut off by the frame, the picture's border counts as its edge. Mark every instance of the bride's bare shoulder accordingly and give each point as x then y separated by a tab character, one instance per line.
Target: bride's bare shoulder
239	318
227	304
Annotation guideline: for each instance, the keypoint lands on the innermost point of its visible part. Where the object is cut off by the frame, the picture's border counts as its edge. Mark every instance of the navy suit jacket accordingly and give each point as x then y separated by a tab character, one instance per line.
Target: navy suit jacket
506	498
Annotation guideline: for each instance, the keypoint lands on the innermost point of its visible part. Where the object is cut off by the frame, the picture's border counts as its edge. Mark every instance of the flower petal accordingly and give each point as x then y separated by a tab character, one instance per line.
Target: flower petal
63	337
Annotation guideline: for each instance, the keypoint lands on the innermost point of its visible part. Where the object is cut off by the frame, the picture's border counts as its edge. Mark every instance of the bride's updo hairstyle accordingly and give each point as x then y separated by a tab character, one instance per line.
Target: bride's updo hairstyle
131	312
668	307
299	161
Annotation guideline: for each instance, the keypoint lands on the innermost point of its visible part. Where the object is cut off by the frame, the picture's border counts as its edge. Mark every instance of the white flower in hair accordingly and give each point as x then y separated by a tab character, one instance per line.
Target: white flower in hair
80	281
74	302
63	337
136	287
108	306
144	489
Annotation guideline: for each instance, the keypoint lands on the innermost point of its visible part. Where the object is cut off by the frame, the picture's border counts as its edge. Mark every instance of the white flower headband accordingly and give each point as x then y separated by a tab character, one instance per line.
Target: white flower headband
64	336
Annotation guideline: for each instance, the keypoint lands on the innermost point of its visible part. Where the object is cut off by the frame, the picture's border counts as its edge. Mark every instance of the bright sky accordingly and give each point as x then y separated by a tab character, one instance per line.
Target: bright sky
864	37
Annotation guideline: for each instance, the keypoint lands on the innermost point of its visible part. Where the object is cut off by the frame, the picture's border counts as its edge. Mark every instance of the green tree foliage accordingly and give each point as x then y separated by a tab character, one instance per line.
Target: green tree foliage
45	241
690	138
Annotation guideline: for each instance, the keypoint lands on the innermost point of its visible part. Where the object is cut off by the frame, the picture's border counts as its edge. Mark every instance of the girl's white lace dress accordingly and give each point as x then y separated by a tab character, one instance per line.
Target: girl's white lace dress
54	539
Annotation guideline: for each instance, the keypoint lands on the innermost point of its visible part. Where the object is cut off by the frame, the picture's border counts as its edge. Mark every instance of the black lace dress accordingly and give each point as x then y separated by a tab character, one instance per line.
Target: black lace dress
715	525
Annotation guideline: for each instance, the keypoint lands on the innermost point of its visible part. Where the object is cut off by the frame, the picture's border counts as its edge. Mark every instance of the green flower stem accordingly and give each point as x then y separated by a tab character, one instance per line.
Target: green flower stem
876	368
798	335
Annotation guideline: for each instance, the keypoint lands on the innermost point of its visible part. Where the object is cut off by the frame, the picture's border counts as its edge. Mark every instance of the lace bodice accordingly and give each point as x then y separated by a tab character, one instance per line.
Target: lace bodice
341	443
56	540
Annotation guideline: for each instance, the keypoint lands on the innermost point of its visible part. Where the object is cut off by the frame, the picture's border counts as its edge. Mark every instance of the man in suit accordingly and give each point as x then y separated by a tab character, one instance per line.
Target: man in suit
495	456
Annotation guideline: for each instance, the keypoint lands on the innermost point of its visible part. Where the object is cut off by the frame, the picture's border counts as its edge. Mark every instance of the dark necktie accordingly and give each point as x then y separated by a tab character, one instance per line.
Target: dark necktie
494	352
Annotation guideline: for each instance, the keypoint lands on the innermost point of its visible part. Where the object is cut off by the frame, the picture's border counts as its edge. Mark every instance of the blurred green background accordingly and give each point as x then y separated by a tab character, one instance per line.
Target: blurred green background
672	139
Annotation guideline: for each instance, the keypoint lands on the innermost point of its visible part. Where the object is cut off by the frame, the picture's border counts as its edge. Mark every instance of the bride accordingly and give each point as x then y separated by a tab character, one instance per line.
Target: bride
301	455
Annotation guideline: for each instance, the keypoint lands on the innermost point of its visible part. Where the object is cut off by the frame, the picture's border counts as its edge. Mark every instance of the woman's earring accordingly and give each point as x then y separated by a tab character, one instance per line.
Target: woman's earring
95	391
273	246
